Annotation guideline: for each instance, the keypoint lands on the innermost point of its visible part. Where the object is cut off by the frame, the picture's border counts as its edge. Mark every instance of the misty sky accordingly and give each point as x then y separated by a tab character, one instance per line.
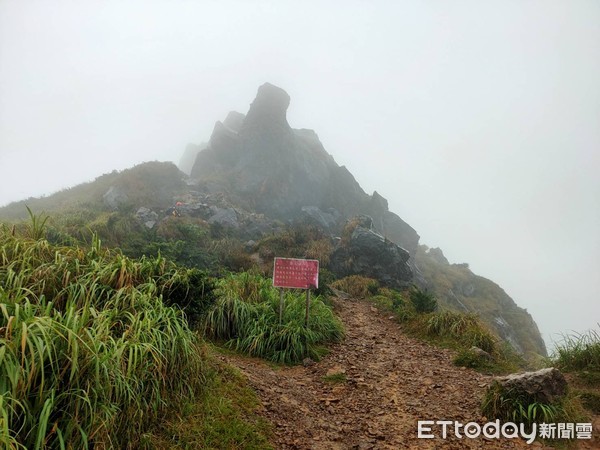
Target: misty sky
479	121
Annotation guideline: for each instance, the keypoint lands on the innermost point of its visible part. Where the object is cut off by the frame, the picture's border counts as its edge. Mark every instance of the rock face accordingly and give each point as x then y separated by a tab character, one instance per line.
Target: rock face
265	165
114	197
326	220
545	385
369	254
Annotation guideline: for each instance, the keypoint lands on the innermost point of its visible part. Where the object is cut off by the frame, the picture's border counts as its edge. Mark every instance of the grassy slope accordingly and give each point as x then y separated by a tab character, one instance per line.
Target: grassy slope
459	289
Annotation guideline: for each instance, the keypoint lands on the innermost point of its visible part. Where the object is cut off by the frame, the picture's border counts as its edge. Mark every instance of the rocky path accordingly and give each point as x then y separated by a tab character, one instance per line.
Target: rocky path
387	383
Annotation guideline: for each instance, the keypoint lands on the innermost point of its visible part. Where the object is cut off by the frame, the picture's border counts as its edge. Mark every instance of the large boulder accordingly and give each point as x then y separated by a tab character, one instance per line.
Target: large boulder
369	254
147	217
543	386
226	217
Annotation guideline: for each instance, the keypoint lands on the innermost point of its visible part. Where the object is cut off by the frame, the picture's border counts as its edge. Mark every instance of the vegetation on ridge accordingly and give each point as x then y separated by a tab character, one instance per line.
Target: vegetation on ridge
246	317
90	354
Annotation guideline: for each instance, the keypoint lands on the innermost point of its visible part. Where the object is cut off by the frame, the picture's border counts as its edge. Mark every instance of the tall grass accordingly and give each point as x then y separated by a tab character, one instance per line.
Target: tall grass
518	406
467	329
90	356
579	351
357	286
246	316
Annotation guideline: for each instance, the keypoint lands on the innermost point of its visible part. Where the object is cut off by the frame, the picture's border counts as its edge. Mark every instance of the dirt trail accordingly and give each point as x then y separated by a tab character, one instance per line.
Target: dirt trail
392	381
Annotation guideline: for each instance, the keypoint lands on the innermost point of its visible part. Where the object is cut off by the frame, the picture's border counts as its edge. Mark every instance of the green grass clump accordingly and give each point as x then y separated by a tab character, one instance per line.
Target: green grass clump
467	329
579	355
246	315
579	352
335	378
519	407
357	286
90	356
423	301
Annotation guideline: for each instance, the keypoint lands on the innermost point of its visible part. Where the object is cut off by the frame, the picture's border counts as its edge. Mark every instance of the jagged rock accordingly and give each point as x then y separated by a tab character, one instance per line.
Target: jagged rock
326	220
369	254
265	166
224	216
545	385
276	170
114	197
268	110
438	255
234	121
147	217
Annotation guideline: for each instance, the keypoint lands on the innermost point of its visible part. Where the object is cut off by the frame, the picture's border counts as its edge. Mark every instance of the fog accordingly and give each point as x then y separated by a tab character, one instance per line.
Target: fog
479	121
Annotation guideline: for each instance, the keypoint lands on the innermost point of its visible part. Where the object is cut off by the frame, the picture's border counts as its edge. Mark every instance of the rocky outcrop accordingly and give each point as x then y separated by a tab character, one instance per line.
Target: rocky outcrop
265	165
368	253
226	217
234	121
438	255
148	217
328	221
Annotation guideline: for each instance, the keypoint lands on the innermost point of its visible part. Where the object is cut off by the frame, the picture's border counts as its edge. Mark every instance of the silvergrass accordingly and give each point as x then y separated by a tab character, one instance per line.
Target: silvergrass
246	316
90	356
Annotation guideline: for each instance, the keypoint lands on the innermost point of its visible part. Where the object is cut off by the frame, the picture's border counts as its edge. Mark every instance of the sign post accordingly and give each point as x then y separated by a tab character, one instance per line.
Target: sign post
295	274
280	305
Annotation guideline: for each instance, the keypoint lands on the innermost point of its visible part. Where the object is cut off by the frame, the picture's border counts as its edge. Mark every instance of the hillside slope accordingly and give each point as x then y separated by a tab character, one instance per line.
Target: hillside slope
459	289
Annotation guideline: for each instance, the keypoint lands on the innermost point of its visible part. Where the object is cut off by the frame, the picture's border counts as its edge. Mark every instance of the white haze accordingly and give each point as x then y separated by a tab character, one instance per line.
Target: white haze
479	121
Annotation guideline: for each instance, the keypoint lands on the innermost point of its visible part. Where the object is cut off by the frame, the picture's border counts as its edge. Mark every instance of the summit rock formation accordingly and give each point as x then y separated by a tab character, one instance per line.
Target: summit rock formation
285	173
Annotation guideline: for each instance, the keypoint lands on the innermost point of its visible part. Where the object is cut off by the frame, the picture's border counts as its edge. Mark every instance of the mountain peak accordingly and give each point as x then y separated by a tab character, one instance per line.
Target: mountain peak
269	108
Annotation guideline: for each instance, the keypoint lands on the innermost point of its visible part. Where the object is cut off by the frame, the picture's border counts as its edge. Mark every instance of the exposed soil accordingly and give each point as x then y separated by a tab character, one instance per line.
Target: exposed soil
387	382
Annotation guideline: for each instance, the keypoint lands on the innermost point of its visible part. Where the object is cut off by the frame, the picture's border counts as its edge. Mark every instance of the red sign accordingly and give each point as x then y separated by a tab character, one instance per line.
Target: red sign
296	273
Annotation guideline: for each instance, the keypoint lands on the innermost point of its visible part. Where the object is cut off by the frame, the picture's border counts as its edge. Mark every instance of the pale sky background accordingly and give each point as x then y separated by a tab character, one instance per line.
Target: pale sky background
479	121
